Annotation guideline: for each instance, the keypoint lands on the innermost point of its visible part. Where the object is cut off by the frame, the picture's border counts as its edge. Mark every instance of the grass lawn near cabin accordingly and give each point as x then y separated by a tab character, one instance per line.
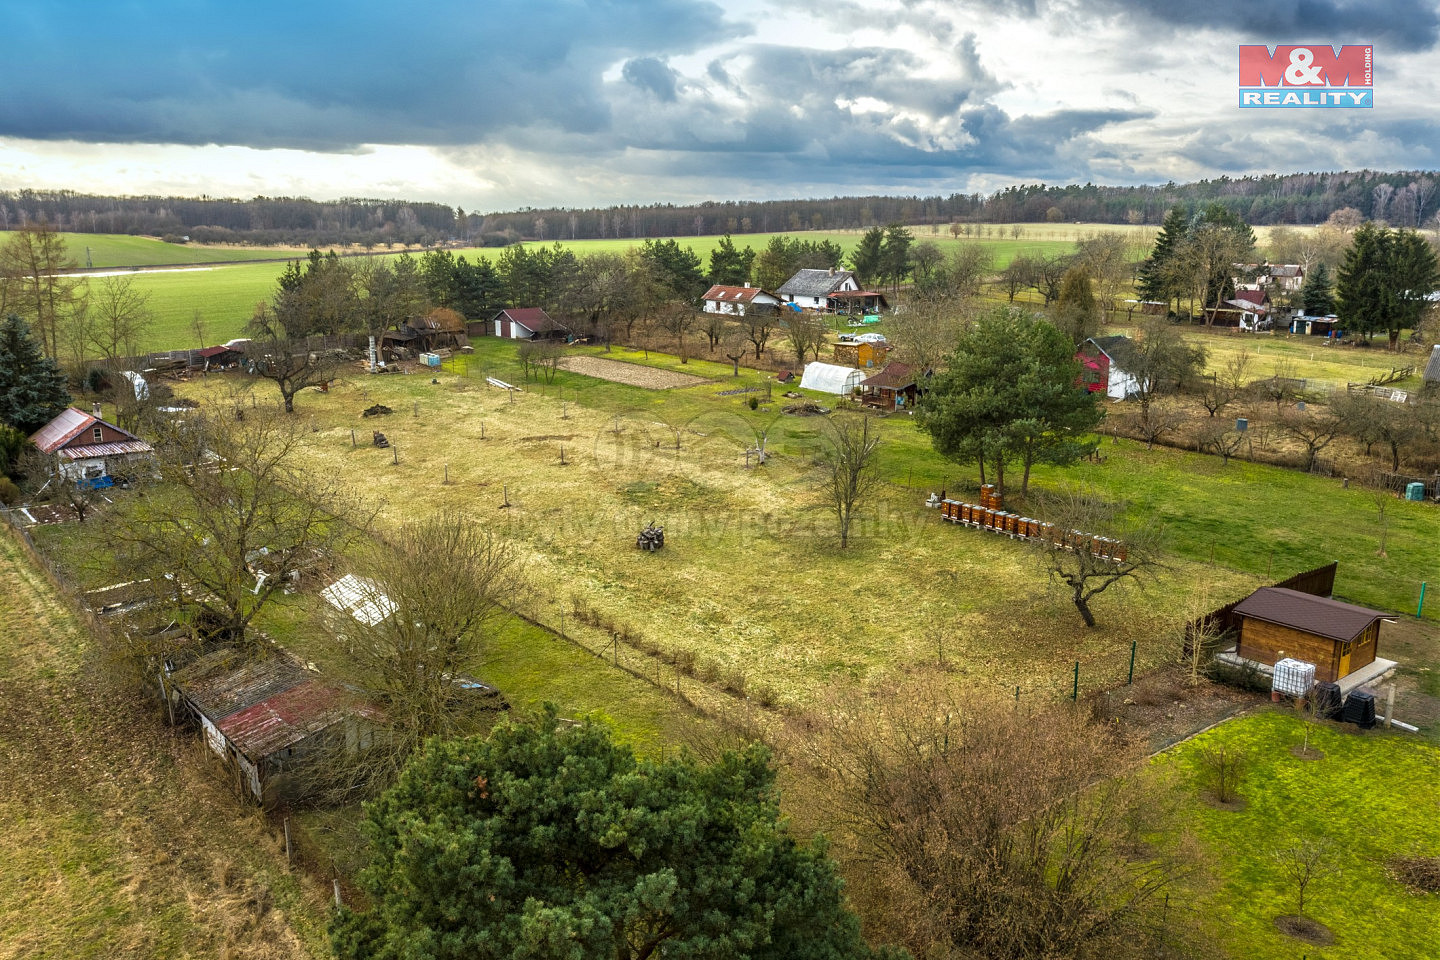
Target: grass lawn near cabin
751	582
1373	794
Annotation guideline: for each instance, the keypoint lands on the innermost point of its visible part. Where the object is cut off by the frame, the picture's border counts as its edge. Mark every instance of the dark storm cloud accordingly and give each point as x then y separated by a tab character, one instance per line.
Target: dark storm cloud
1403	25
313	76
654	75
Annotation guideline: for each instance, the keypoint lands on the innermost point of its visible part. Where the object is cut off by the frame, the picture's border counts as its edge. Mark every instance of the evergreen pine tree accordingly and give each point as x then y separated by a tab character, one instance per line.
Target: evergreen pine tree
1154	281
868	259
1316	297
32	388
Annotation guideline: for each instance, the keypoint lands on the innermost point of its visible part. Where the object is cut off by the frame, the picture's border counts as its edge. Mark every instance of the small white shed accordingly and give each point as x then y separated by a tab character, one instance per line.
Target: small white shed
831	378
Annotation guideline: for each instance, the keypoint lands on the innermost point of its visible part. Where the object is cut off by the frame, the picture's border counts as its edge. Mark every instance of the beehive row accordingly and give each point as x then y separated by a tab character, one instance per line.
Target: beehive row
1027	528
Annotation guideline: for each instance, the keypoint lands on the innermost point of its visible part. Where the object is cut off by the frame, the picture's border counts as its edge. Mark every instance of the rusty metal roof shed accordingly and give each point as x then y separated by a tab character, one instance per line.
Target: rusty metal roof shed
284	719
226	681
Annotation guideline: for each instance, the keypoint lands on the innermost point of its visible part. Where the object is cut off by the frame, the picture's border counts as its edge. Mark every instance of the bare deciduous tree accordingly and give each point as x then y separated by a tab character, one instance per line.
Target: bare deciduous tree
1304	863
288	363
1084	570
971	828
232	517
850	471
807	333
434	595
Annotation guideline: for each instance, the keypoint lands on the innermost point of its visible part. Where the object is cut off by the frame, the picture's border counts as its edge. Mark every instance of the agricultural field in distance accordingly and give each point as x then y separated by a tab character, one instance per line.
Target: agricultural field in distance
101	250
751	581
226	294
1369	796
119	840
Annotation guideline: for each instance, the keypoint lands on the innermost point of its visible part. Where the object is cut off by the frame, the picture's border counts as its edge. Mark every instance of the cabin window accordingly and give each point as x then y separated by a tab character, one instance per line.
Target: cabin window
1092	375
99	435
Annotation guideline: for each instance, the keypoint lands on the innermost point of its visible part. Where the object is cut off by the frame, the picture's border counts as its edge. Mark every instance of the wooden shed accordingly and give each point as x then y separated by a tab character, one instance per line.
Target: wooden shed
1339	638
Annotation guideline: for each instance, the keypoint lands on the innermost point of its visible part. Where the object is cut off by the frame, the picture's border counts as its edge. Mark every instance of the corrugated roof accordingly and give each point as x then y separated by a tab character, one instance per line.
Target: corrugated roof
814	283
1332	619
68	425
115	449
1432	366
361	598
225	681
284	719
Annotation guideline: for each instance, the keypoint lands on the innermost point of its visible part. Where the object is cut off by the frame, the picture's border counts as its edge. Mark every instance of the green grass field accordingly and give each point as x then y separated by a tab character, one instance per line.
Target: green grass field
101	250
226	294
752	583
1372	795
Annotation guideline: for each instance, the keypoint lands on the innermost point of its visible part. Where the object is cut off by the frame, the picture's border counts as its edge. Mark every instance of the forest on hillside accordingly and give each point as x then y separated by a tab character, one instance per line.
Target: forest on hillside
1401	198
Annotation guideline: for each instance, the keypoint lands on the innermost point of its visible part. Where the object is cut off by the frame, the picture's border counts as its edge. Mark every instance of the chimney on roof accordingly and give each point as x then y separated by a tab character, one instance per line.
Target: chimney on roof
95	409
832	271
747	284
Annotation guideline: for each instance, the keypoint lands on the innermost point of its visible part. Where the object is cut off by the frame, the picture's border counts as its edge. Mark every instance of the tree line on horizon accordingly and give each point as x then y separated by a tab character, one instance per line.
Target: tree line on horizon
1404	199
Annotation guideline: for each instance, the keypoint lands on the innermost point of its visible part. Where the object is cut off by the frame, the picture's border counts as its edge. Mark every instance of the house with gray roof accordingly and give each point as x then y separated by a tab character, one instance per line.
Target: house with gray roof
812	289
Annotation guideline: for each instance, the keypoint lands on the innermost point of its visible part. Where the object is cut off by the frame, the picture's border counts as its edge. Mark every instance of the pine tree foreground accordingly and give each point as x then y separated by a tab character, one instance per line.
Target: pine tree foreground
549	840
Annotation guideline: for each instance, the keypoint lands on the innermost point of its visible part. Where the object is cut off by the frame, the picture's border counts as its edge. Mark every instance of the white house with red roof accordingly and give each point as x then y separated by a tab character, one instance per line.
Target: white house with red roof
736	300
88	448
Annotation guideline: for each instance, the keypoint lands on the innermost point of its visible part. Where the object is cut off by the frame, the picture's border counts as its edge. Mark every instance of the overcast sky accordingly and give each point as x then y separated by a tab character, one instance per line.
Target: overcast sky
497	104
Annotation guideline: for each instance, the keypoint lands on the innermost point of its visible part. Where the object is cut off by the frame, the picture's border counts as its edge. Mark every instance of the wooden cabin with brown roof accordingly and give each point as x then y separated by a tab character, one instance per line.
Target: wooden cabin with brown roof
86	447
893	388
1339	638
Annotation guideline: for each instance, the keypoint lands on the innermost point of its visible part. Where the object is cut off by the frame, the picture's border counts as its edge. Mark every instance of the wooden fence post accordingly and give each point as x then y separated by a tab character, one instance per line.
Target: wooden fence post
287	840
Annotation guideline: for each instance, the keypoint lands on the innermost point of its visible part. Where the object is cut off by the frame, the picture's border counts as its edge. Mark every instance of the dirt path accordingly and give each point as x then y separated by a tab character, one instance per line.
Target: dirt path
630	374
116	840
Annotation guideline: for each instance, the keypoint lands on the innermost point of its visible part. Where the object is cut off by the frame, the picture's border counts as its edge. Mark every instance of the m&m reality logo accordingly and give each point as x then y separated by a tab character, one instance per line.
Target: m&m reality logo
1314	75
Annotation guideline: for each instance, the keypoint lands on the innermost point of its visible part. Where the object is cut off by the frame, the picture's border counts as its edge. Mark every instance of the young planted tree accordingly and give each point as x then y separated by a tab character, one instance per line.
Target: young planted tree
1302	865
1314	429
850	473
550	840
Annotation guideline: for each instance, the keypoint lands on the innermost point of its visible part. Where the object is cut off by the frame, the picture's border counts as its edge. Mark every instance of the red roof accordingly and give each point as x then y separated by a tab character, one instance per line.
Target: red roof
69	425
284	719
1254	296
735	294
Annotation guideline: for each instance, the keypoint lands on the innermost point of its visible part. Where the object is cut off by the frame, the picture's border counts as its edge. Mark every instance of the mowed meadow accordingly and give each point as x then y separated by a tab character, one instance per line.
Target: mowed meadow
751	587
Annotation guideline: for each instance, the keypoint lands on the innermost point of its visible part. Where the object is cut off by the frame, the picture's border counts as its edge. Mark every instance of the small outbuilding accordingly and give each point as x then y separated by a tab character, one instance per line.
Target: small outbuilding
263	715
1338	638
88	448
1104	361
831	378
1431	376
528	323
893	388
1326	326
868	354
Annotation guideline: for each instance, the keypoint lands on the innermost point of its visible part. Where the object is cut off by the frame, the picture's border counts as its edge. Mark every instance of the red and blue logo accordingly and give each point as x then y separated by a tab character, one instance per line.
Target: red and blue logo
1312	75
